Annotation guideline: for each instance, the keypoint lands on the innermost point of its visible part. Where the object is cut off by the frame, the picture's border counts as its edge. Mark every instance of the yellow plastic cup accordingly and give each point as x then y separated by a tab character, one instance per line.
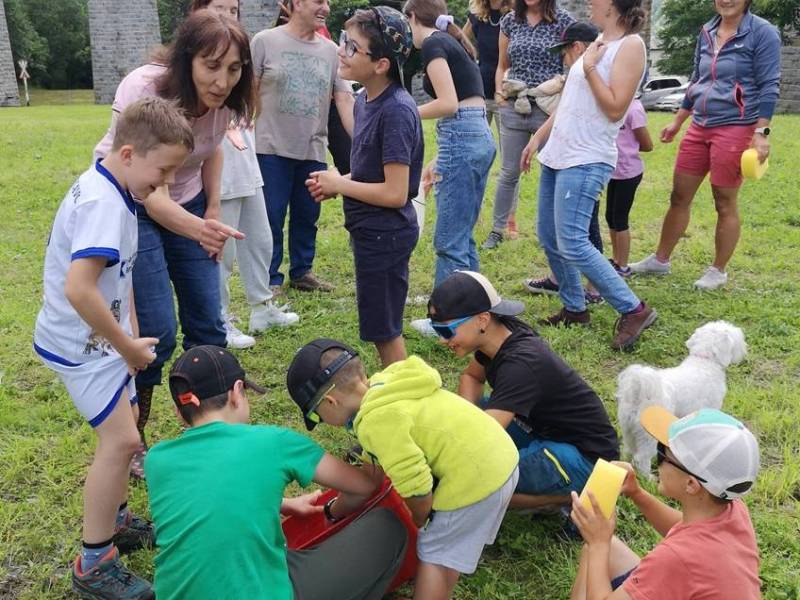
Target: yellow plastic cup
605	483
751	167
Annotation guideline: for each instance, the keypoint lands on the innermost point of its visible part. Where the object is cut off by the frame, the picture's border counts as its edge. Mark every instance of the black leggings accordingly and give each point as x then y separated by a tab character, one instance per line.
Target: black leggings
619	201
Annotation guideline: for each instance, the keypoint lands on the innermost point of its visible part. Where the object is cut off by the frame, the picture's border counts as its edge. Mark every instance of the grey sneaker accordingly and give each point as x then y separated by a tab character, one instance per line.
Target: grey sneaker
266	315
493	241
712	279
110	580
234	336
650	266
135	534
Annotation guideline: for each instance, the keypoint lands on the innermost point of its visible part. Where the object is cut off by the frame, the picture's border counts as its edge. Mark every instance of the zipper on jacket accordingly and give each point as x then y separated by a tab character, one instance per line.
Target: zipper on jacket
716	54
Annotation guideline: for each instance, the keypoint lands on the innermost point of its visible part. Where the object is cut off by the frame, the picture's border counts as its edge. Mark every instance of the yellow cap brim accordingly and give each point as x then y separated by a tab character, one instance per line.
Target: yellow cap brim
656	421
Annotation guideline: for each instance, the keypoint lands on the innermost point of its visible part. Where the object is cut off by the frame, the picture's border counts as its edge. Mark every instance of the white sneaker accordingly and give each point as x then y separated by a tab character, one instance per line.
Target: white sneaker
424	327
268	315
712	279
651	266
234	337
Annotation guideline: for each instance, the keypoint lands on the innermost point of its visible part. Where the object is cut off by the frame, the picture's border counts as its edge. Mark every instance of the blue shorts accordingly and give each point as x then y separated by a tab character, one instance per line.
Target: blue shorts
619	580
381	264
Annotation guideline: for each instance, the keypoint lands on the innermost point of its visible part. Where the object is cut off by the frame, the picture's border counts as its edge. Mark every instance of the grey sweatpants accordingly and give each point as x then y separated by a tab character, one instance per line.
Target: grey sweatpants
248	215
358	563
515	133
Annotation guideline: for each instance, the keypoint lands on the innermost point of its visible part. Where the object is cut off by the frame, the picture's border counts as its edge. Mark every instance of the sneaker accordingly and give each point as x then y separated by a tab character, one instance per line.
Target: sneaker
137	533
424	327
277	291
544	285
310	283
712	279
268	315
511	229
650	266
110	580
567	318
234	336
623	272
493	241
629	327
592	296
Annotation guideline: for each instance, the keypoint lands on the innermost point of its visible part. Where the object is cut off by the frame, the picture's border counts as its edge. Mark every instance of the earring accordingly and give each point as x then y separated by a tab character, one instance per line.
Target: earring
482	330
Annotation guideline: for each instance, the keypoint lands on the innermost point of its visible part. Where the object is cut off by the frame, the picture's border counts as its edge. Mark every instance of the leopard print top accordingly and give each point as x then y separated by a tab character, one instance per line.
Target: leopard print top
530	60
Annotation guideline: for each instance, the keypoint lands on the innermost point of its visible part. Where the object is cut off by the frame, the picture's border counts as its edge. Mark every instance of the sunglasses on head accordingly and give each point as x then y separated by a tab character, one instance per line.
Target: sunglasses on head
661	457
312	414
447	331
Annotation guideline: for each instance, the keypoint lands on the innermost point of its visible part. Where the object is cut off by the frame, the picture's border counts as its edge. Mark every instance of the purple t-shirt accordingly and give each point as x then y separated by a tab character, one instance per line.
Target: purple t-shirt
629	163
387	130
208	130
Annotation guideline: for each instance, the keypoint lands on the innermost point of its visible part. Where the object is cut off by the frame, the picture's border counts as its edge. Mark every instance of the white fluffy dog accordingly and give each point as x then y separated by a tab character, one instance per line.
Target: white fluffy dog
698	382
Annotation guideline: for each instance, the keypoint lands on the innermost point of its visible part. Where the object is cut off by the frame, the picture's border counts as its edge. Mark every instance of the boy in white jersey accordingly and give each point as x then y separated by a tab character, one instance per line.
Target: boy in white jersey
86	330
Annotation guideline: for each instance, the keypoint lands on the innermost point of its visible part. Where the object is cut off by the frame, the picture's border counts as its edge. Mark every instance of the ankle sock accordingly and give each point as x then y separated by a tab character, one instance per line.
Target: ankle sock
638	309
122	516
92	553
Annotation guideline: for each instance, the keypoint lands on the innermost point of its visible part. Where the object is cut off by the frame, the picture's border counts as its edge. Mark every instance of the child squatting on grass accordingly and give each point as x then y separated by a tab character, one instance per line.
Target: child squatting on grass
386	164
217	496
87	332
453	464
706	462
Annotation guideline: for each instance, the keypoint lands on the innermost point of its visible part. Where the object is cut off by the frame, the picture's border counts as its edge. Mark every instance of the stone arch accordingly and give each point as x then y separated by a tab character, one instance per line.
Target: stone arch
9	90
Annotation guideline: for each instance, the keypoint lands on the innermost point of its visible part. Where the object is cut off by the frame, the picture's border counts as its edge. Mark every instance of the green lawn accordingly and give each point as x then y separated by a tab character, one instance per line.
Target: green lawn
45	447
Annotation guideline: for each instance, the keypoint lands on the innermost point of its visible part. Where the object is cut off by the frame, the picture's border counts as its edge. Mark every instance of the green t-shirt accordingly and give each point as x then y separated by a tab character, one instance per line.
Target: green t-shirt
215	495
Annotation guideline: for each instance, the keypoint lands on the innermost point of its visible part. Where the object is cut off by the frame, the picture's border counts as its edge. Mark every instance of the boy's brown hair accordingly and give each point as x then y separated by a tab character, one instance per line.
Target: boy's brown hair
151	122
346	378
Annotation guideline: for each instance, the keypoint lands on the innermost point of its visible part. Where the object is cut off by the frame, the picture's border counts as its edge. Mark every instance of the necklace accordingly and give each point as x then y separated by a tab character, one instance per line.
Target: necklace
492	23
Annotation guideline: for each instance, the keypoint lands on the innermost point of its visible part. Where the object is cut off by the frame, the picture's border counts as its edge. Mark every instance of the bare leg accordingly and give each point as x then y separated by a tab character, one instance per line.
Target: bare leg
106	484
620	246
621	559
728	225
434	582
684	187
391	351
529	501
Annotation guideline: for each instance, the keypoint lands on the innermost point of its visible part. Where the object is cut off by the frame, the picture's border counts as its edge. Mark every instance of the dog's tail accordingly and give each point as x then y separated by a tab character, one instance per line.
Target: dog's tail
638	387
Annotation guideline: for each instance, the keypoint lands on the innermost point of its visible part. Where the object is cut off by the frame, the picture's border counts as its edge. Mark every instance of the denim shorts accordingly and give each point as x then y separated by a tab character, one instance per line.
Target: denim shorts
381	264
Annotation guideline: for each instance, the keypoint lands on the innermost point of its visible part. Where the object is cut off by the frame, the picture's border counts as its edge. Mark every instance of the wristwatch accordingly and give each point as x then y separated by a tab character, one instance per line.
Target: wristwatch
327	510
763	131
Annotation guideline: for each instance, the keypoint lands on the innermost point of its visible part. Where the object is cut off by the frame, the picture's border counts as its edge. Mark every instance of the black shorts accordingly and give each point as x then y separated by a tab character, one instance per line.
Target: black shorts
381	261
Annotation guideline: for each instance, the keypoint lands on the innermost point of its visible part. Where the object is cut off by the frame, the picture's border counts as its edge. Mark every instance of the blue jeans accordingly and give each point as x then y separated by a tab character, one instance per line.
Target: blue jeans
166	258
567	199
548	468
466	153
285	189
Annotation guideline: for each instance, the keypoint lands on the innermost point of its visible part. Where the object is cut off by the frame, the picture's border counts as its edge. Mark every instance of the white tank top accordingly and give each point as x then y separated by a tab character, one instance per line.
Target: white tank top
582	134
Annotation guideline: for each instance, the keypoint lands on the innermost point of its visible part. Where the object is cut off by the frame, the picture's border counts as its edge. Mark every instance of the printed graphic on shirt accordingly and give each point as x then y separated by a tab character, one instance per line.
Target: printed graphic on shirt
306	84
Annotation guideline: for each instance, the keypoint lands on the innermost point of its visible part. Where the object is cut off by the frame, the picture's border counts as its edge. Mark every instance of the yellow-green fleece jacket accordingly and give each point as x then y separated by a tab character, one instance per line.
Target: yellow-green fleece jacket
417	432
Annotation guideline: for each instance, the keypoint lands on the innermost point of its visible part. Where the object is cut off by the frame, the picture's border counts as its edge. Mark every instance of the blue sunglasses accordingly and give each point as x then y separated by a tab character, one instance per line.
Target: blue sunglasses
447	331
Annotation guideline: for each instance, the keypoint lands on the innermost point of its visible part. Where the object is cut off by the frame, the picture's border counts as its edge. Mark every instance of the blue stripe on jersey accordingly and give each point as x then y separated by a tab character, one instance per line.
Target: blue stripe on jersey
110	406
110	253
126	195
46	354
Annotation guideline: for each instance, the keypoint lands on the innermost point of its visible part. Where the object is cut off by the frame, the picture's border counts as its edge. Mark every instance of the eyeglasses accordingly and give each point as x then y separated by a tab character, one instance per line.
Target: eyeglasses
447	331
350	46
312	414
661	457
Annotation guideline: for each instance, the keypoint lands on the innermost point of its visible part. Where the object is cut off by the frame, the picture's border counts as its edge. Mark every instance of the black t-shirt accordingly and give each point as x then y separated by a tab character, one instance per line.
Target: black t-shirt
487	34
547	395
466	76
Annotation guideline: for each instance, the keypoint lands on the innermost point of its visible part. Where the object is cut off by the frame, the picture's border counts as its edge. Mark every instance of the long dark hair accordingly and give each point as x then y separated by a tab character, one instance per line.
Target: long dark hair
201	34
631	15
426	12
548	10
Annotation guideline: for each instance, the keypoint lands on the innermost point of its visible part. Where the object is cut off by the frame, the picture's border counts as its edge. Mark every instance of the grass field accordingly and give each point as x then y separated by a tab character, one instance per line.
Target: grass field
45	447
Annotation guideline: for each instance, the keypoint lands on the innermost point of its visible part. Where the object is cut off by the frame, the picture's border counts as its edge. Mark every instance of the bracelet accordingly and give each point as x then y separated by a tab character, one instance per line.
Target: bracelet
327	510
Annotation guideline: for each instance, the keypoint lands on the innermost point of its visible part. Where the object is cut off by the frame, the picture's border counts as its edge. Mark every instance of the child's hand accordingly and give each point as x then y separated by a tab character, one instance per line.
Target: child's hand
594	527
669	132
302	506
139	353
323	184
630	487
428	177
527	155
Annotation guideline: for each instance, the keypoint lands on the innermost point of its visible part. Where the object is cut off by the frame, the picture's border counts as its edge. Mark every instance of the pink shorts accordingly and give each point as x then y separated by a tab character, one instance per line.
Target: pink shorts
715	149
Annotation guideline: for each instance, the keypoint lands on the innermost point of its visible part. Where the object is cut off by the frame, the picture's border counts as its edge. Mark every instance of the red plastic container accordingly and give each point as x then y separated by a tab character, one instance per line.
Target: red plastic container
305	532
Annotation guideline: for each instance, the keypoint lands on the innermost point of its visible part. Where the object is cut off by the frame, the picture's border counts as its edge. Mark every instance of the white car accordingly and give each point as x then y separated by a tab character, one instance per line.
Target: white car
672	102
657	88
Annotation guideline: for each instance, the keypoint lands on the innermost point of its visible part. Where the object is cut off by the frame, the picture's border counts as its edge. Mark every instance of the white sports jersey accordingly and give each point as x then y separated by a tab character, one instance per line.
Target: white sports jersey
96	218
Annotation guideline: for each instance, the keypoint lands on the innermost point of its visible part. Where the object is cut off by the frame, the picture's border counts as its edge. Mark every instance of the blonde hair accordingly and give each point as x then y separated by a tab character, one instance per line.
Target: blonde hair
481	8
150	122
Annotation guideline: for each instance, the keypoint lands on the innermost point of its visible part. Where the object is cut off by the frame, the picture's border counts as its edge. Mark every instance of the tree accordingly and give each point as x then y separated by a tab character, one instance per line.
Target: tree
682	19
170	15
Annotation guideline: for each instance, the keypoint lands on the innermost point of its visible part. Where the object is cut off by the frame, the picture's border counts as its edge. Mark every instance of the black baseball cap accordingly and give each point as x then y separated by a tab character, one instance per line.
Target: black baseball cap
306	381
204	372
467	293
577	32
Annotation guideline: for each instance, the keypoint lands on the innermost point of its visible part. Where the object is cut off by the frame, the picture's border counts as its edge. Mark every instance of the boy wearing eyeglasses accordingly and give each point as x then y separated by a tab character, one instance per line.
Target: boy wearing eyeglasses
453	465
386	164
217	495
706	462
556	420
